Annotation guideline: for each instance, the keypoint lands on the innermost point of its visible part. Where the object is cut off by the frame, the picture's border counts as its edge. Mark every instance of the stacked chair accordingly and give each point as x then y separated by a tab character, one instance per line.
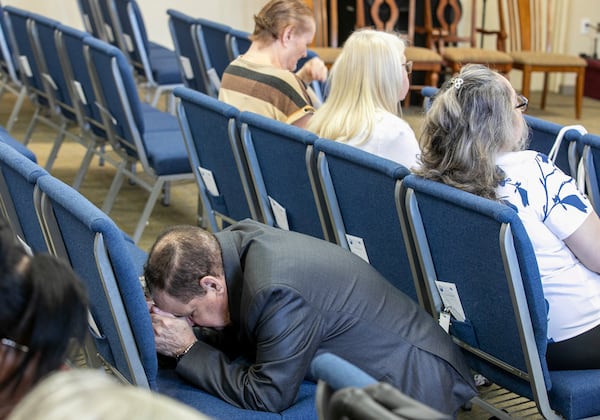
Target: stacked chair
591	167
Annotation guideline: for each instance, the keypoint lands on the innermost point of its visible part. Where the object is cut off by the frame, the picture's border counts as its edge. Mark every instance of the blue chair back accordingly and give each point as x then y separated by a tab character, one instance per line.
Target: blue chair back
591	164
98	252
8	65
237	43
18	180
89	10
17	22
282	165
70	43
42	33
543	136
215	36
184	31
360	194
482	248
212	139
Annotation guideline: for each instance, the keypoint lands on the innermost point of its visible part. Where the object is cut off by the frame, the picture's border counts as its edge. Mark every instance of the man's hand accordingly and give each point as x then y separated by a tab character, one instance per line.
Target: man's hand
313	69
172	334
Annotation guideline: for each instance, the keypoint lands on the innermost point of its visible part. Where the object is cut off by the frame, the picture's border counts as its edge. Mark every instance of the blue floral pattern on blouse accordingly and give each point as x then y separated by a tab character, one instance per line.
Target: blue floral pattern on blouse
551	202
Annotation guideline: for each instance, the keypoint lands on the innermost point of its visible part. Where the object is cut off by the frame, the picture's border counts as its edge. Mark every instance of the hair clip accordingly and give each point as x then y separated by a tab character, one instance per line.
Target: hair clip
13	344
456	82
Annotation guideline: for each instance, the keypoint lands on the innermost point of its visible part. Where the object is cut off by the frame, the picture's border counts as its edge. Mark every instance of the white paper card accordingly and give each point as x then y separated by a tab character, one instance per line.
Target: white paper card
87	24
445	320
213	76
279	214
451	300
128	42
50	80
186	65
109	33
357	246
209	181
80	92
25	65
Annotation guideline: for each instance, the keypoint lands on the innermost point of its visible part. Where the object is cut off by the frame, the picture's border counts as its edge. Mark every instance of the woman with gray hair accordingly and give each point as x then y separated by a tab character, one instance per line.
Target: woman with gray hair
473	139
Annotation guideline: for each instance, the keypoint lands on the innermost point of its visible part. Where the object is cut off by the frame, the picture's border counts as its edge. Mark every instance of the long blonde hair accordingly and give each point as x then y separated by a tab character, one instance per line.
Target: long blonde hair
367	76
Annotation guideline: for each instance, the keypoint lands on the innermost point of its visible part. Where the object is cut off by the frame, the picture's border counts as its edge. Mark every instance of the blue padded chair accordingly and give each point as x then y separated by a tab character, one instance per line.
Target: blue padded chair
110	266
283	170
156	64
6	138
542	139
215	39
481	247
359	190
159	148
9	75
56	87
18	22
211	136
237	43
90	16
18	180
184	31
591	167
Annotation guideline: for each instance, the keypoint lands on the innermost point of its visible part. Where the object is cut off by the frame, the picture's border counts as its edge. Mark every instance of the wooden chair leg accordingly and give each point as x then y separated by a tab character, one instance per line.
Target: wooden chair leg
579	87
525	90
545	91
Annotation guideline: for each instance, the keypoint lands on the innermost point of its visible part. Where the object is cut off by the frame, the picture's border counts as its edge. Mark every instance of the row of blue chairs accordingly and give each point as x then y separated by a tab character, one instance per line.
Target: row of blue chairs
120	23
93	84
412	230
51	216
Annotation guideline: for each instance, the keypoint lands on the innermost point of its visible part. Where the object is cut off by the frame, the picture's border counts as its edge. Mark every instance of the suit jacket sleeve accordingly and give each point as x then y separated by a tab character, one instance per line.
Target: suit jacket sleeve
287	333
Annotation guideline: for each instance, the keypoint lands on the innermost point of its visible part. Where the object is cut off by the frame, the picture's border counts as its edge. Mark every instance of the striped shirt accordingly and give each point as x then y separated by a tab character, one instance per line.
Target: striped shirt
265	90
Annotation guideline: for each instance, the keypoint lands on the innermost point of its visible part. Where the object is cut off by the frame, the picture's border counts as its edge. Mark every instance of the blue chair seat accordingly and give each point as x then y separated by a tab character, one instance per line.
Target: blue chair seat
156	120
166	152
574	394
165	69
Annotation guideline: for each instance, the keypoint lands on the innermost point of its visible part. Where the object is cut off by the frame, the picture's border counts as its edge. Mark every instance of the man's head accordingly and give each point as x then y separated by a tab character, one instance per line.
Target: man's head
184	274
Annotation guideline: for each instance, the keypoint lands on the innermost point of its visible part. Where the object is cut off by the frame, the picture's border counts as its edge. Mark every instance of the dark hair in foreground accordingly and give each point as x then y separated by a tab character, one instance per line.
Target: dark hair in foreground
43	306
180	257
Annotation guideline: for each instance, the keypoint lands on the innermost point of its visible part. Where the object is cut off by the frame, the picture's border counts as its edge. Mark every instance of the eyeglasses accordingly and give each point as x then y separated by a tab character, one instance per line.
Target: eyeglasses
13	344
408	66
522	103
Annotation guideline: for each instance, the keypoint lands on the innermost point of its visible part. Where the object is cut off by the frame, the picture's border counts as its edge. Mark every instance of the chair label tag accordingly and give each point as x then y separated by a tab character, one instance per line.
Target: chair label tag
128	42
280	214
186	65
25	65
110	36
87	24
80	92
209	181
50	80
445	320
451	300
357	246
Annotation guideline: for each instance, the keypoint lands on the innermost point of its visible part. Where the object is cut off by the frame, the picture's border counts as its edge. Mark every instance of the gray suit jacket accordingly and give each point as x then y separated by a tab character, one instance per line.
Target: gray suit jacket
292	297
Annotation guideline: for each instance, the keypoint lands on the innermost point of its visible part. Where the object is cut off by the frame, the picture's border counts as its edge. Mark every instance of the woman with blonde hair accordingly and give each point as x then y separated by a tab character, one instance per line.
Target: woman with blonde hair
366	85
473	138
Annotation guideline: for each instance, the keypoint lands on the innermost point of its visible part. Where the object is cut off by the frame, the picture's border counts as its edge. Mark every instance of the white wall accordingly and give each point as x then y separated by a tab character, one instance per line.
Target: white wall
238	14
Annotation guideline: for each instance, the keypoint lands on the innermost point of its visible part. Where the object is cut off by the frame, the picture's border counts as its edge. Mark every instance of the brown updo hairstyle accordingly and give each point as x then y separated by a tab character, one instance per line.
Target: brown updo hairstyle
276	15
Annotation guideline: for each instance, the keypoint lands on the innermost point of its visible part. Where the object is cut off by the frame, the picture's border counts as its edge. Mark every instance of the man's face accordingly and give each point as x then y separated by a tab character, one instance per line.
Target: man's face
209	310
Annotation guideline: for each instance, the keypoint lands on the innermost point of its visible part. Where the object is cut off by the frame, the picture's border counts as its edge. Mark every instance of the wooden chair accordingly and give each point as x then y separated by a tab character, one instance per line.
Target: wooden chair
442	34
528	35
399	16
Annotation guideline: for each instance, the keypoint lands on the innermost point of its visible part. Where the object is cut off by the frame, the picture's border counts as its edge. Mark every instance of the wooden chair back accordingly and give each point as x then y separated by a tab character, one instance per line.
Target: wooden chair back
527	24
